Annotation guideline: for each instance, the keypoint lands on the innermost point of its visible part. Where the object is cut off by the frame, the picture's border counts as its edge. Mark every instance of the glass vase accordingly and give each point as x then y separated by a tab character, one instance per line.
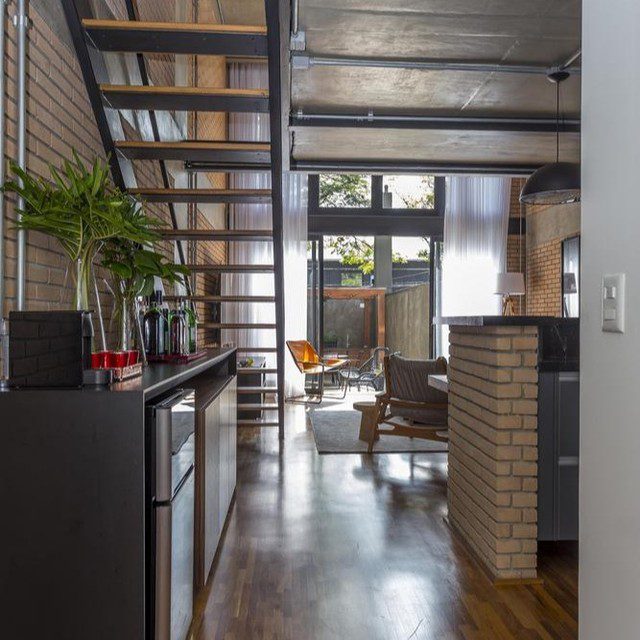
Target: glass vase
125	324
81	279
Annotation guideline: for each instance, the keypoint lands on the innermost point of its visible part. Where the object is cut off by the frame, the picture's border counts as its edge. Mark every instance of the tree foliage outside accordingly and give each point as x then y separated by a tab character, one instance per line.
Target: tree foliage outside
412	195
358	251
354	191
345	190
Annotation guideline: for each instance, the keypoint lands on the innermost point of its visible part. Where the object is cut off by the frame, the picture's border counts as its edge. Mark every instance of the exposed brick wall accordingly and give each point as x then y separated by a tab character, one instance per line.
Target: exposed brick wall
59	118
544	286
492	484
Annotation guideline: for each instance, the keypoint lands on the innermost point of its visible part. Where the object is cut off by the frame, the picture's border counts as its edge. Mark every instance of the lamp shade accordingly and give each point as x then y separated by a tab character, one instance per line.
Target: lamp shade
555	183
510	284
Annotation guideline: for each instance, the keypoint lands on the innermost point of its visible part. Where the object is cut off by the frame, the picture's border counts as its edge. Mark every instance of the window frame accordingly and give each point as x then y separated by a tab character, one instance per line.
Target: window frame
376	208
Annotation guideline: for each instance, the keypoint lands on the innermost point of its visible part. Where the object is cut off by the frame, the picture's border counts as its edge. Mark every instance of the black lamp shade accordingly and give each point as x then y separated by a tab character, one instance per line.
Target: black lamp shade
555	183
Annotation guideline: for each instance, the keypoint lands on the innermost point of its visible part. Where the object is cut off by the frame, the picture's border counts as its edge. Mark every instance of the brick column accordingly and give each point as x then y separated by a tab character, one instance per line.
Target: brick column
493	452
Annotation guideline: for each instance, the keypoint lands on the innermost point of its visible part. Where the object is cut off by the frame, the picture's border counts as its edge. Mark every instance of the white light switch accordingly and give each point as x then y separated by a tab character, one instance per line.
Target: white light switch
613	303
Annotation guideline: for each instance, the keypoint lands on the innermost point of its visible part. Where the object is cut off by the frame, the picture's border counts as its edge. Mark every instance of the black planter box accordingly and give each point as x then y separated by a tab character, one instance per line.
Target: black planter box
49	348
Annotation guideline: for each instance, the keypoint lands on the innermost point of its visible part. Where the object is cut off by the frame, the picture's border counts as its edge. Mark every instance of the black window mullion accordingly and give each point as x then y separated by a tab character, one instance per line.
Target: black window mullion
376	194
440	195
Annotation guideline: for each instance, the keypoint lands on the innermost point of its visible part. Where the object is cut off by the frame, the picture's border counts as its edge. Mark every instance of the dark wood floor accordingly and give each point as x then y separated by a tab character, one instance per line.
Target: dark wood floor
353	547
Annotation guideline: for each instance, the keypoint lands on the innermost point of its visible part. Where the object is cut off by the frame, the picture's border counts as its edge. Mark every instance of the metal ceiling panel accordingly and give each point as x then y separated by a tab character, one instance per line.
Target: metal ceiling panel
348	89
508	30
432	146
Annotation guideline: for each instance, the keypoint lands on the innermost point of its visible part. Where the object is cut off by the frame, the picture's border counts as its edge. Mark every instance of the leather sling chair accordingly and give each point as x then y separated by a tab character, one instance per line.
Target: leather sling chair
310	363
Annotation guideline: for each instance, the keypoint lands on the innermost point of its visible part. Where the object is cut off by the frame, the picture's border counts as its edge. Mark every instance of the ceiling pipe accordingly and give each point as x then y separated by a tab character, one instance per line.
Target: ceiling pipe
305	61
295	17
21	22
397	167
463	123
3	41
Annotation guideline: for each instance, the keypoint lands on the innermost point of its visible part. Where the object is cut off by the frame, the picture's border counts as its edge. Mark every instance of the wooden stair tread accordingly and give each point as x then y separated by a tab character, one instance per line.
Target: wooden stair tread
231	153
258	423
230	298
258	406
231	268
252	390
172	98
237	325
176	37
249	370
238	196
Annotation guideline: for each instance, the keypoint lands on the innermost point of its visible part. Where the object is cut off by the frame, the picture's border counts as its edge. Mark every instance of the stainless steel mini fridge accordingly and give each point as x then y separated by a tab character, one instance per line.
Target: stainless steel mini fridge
171	433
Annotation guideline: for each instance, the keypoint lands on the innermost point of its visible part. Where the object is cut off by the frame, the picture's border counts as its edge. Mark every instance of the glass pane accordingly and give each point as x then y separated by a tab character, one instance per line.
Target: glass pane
349	325
408	192
410	262
348	261
353	191
407	303
571	278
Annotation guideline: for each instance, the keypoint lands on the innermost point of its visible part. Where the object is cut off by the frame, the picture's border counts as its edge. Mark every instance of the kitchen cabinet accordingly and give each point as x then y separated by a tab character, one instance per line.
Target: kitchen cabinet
216	473
558	454
75	481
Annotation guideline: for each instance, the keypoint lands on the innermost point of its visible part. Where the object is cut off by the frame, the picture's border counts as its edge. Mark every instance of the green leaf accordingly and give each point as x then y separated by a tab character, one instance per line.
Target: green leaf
120	269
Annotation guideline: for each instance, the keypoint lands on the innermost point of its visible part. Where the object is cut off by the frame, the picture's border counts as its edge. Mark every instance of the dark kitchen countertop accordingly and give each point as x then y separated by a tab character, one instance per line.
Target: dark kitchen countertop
504	321
160	377
559	338
156	378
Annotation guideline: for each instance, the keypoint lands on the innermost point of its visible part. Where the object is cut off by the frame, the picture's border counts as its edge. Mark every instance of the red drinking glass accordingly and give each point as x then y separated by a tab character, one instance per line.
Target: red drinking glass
132	357
100	360
118	359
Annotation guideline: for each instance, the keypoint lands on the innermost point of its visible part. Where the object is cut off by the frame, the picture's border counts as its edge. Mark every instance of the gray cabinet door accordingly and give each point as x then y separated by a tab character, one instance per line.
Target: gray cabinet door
219	468
232	413
223	453
212	524
558	455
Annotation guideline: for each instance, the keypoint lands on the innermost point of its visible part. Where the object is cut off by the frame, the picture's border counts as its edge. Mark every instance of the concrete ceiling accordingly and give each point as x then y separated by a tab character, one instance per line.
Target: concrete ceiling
531	32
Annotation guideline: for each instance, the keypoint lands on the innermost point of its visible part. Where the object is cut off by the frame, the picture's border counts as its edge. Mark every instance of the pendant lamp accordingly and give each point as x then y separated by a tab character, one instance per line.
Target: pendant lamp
557	182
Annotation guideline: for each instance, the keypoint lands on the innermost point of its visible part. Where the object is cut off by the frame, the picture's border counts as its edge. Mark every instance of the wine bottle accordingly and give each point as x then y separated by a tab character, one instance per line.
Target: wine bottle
154	327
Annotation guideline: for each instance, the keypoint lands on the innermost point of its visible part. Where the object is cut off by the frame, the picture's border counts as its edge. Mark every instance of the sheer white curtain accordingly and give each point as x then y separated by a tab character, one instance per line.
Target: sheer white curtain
254	127
475	243
249	127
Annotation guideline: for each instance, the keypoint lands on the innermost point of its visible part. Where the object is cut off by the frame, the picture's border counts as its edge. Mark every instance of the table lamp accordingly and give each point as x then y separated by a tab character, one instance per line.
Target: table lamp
507	285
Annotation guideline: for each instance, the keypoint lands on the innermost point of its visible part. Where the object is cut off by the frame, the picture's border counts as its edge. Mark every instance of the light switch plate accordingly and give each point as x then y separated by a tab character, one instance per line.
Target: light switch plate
613	302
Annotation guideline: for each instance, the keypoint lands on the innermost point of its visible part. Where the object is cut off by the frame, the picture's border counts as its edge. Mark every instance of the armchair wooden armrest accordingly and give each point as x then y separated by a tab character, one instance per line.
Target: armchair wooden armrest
413	404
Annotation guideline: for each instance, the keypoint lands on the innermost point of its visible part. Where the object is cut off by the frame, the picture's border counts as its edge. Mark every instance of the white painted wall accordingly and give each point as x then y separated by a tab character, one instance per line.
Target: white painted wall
610	363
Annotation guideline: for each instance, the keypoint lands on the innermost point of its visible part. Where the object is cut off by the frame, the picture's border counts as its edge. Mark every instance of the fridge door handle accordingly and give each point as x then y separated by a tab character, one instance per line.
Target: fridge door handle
163	492
163	573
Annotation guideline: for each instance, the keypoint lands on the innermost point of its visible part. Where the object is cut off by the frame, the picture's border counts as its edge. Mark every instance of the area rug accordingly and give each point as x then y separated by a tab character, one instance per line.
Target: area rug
335	430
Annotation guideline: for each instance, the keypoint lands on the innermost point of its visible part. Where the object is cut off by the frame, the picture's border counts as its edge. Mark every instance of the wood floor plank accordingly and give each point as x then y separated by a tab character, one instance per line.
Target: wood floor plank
355	547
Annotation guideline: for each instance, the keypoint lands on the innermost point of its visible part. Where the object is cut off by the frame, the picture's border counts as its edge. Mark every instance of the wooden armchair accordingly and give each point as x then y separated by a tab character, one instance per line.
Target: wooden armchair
408	395
310	363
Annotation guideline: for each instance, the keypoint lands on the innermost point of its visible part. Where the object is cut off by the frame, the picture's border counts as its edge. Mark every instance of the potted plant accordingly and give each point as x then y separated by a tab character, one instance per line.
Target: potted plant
132	269
79	208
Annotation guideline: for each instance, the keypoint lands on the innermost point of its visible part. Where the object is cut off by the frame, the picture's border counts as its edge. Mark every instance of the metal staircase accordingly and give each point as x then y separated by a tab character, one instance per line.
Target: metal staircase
92	38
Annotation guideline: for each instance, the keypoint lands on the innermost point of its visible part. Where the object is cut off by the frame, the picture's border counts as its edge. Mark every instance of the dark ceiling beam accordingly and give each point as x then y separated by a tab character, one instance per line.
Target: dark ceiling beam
389	224
444	123
419	166
394	225
375	225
